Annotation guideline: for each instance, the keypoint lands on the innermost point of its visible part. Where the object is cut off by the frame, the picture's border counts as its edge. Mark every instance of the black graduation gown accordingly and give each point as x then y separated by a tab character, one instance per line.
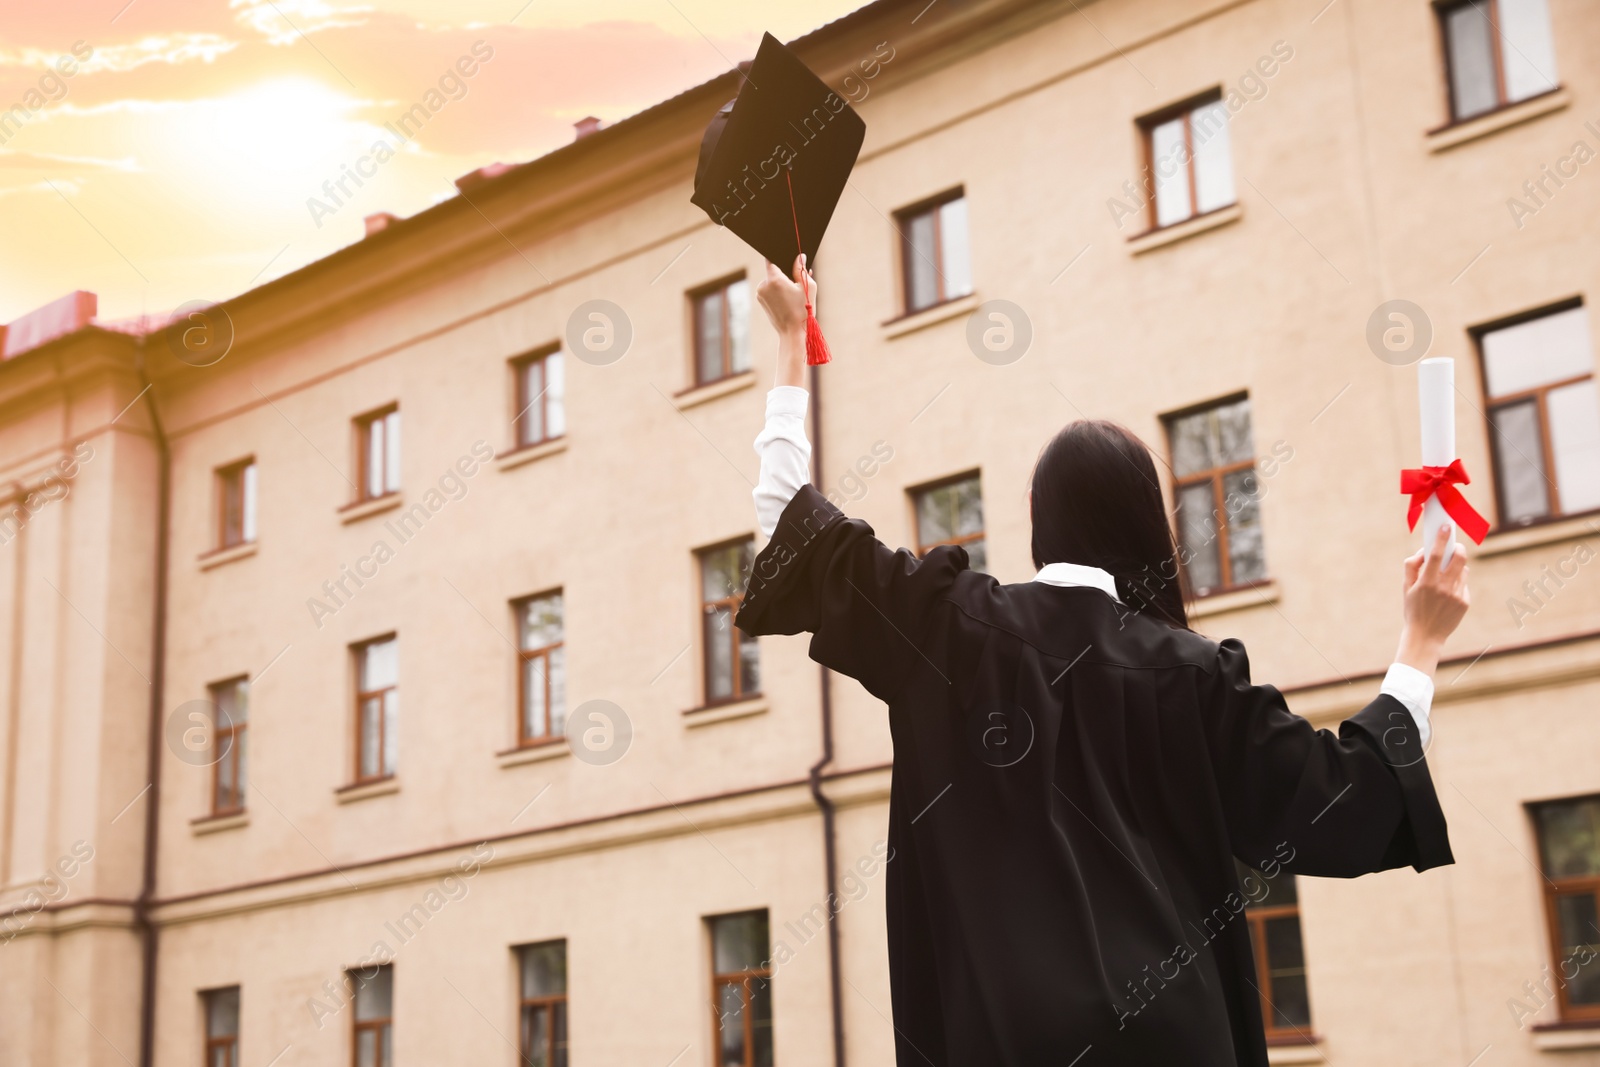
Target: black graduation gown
1072	782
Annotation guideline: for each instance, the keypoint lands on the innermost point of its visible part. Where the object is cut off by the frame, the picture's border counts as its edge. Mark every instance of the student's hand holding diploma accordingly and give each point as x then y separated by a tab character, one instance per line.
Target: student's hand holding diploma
1436	600
785	305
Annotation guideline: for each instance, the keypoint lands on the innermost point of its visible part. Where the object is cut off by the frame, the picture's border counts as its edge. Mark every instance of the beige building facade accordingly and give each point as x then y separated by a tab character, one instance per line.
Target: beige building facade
367	693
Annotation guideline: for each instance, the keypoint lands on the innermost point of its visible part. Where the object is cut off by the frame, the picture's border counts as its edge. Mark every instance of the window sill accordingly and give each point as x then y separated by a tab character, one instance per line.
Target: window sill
218	556
1456	133
918	320
534	753
1566	1037
733	709
699	394
1235	600
1515	538
362	509
211	824
1299	1052
349	794
1151	240
528	453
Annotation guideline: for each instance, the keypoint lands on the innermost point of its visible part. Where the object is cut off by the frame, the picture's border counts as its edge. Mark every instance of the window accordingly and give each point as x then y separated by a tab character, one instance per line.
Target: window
732	658
1188	160
236	504
741	990
373	1044
934	254
1497	52
951	513
1569	852
377	708
542	676
378	445
1219	507
721	330
1544	415
232	701
541	398
543	970
222	1027
1274	918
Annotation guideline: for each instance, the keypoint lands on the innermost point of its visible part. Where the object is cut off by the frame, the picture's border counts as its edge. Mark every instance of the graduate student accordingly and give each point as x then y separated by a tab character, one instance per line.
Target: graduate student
1075	770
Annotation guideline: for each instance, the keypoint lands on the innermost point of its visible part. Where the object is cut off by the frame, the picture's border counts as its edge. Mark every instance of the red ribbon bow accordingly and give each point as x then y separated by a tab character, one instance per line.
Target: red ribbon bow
1441	482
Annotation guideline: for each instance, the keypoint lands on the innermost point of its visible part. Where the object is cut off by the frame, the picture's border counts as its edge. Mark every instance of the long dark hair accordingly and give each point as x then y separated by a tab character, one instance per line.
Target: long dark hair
1097	502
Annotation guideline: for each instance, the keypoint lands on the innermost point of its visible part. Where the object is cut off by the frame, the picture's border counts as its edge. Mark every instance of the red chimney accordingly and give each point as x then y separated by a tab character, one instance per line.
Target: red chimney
58	318
586	126
379	221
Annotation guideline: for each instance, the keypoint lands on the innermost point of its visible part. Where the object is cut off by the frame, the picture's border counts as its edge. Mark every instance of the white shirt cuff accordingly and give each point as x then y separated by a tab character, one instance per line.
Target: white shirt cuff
1413	689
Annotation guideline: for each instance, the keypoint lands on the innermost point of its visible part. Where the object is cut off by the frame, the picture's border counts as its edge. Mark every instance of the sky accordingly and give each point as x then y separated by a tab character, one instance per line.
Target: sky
158	152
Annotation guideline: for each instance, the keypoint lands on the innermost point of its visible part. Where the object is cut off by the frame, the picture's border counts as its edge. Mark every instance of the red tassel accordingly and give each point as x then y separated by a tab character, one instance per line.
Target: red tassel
816	348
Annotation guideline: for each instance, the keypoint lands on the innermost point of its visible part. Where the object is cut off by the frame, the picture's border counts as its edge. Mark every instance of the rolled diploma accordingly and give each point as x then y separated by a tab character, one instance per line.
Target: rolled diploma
1436	397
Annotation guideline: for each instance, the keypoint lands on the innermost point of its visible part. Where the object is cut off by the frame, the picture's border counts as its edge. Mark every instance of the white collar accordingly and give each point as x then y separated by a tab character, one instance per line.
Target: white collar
1076	574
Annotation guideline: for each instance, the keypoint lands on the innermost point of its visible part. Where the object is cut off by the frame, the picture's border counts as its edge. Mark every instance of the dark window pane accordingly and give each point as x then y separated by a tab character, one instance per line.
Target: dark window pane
709	335
719	653
730	1021
1286	972
222	1013
535	1035
1473	84
739	942
1579	927
977	556
749	664
1197	536
1569	838
1519	461
922	280
1242	506
544	970
761	1022
949	512
374	992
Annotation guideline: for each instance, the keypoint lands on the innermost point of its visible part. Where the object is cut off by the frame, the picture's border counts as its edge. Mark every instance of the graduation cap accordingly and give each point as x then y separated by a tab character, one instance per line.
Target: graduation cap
774	162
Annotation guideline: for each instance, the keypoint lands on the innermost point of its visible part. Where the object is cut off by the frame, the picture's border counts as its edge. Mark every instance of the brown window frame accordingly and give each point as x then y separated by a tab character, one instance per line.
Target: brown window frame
550	1003
230	478
227	1042
1147	128
1217	476
525	740
1442	9
1257	917
234	733
363	425
736	636
1554	887
743	978
916	492
902	223
382	1028
358	650
519	378
1538	394
697	299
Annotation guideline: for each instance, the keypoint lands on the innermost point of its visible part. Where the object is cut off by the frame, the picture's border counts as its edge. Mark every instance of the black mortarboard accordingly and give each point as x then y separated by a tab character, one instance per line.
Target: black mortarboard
776	158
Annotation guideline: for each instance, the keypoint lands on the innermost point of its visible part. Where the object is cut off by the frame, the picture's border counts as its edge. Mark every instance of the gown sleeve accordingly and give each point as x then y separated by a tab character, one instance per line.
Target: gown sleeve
1340	806
866	606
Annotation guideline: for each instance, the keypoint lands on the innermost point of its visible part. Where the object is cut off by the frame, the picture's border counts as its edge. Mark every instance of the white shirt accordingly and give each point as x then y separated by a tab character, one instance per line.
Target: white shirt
786	465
